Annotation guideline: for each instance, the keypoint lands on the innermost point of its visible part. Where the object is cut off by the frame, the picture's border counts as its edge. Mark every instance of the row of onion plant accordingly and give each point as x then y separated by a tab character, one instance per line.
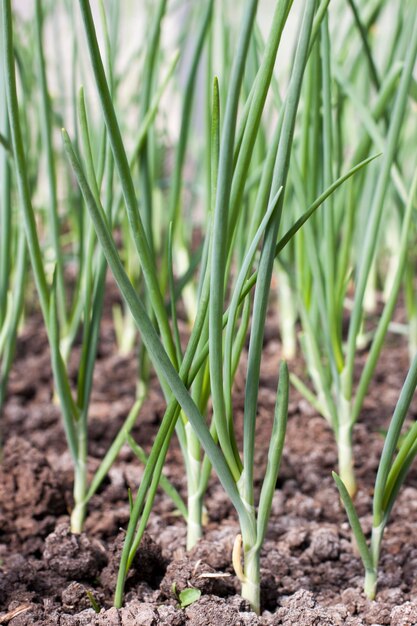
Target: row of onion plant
69	310
230	153
332	264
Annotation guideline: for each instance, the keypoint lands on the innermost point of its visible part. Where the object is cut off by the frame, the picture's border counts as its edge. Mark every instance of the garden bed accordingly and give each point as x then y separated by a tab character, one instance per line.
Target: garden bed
293	161
311	574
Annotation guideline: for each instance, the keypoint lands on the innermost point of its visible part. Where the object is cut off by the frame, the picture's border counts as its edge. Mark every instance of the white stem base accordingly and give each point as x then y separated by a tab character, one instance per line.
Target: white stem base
344	449
77	518
251	588
370	584
79	511
194	522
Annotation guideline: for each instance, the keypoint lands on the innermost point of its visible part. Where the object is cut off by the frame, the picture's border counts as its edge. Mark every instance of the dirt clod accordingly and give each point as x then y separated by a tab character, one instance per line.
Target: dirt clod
324	545
148	565
216	550
404	615
75	597
30	494
211	610
302	609
184	573
74	557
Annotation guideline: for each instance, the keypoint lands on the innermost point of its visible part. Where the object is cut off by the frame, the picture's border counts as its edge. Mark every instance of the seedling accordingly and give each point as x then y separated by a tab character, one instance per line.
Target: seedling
392	471
188	596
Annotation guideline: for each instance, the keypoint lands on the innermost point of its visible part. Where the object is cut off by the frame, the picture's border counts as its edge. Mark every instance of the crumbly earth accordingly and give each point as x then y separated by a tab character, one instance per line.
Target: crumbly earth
311	573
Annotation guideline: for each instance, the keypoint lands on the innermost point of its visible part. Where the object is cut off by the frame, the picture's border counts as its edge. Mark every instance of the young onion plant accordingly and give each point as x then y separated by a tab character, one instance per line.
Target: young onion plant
396	459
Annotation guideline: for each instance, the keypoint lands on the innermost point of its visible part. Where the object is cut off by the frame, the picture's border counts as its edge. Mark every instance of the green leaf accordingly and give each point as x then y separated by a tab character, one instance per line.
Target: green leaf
391	441
163	481
131	204
274	453
354	523
94	604
189	596
5	143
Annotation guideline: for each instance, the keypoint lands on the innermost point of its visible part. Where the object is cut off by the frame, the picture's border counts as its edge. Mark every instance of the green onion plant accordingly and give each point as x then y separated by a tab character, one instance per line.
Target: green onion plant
395	461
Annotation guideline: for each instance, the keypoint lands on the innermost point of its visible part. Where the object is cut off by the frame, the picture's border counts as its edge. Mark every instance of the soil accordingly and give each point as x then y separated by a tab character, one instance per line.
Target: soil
311	573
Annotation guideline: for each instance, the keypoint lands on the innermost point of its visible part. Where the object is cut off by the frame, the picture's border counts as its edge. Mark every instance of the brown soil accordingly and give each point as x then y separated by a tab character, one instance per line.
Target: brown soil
310	571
